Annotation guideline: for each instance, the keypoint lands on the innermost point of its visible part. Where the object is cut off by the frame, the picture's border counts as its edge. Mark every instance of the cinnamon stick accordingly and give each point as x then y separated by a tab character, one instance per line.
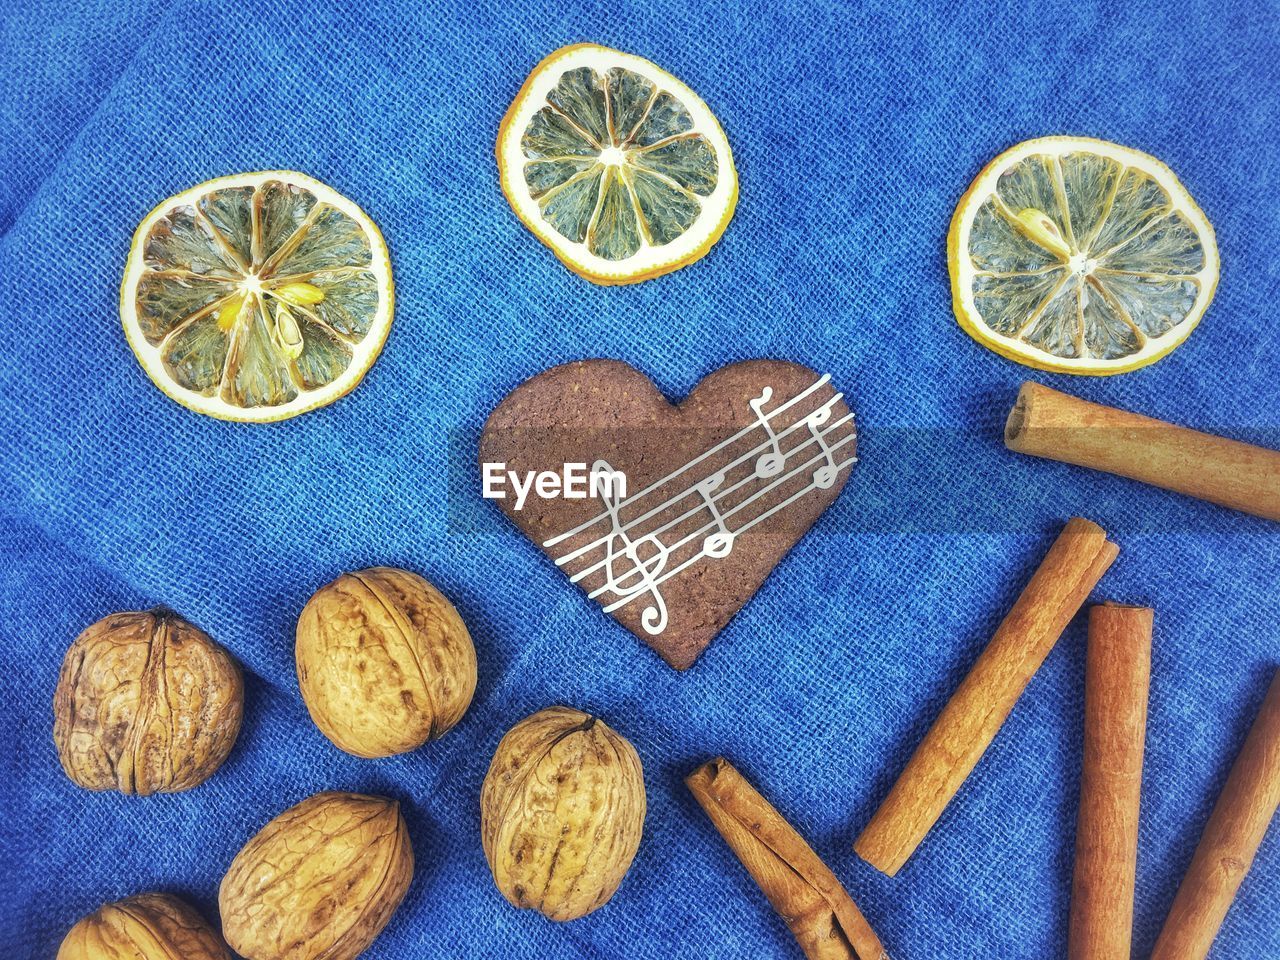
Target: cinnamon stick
1230	840
1117	678
816	908
1046	423
970	720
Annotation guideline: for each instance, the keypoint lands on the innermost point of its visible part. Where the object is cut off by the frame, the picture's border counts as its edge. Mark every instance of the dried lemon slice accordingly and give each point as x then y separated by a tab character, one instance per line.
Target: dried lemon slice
257	297
1080	256
615	165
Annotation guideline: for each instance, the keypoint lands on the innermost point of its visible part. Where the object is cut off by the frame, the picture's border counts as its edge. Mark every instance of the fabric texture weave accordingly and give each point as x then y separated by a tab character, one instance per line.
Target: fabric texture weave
855	128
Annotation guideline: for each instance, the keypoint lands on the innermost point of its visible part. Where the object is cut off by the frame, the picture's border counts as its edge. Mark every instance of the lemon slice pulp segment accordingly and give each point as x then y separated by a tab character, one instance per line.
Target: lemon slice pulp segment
615	165
1080	256
257	297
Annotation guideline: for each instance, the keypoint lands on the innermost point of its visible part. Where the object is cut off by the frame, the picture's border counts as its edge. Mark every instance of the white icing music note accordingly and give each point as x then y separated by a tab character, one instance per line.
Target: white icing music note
769	464
645	569
825	476
720	543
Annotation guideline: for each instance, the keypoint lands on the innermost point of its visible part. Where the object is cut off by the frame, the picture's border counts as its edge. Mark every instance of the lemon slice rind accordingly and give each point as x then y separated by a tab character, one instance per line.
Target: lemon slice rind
963	272
650	261
364	353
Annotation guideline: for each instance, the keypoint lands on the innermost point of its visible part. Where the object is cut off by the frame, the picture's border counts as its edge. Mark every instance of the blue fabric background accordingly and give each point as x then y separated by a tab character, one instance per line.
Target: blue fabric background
855	129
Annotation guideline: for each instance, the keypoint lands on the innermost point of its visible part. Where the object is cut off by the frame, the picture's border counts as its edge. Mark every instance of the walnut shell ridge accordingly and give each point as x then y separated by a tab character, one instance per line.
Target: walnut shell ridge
146	703
561	813
319	882
384	662
150	926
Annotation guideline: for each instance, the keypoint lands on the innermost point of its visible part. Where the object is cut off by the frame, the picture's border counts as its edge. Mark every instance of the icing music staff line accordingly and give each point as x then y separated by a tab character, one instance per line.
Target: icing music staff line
773	441
693	463
653	534
689	491
651	582
641	567
659	581
848	418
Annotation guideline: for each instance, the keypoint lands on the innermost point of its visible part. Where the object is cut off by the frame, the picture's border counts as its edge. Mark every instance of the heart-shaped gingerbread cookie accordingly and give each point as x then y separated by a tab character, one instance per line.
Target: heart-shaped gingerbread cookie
669	516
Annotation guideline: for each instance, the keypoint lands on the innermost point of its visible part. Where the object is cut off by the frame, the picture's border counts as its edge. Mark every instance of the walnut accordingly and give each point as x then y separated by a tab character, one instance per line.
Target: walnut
146	703
321	880
384	662
561	812
150	926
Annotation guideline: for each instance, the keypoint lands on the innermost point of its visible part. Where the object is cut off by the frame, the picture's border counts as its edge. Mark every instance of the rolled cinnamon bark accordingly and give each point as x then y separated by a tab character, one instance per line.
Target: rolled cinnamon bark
974	714
1046	423
1230	840
819	912
1117	678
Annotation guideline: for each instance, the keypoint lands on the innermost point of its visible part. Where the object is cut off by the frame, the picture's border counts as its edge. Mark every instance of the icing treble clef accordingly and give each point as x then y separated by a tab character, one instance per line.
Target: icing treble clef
645	569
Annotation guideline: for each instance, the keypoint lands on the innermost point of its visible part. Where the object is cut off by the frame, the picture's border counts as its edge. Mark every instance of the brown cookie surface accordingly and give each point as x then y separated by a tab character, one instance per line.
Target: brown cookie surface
717	488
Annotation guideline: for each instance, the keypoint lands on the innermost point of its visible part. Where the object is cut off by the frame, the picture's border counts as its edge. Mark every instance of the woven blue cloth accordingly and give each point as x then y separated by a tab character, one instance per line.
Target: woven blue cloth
855	130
